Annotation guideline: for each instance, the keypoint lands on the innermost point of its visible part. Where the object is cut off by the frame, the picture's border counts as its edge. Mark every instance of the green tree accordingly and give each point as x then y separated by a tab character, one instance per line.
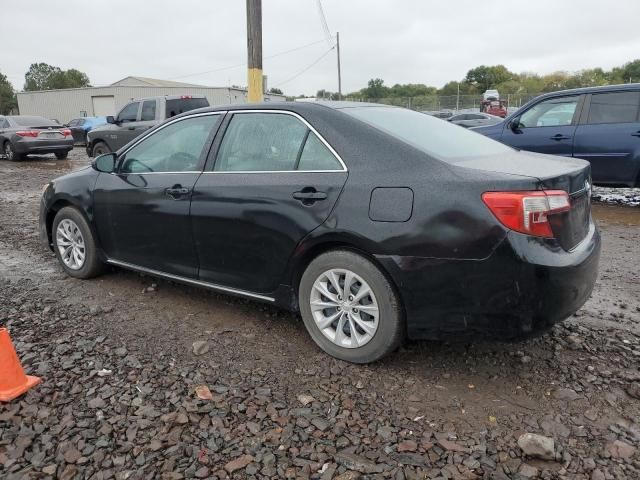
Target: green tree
8	102
375	89
42	76
275	91
487	77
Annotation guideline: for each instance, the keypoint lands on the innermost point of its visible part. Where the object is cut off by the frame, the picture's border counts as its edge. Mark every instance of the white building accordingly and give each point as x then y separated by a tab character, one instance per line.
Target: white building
69	103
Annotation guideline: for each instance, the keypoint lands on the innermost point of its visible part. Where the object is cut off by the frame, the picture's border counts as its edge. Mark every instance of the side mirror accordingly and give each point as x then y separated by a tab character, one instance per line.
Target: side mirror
514	124
105	163
110	119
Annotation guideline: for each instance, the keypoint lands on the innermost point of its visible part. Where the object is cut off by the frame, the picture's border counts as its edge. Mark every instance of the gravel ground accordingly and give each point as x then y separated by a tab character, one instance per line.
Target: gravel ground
147	379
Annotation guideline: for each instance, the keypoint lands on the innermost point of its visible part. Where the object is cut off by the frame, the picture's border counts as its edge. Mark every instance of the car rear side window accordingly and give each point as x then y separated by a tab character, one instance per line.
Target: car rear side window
317	156
174	148
129	113
261	142
442	140
614	107
177	106
148	111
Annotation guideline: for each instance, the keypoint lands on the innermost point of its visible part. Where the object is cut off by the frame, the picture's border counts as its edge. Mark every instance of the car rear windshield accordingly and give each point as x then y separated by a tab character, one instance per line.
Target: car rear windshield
25	121
438	138
181	105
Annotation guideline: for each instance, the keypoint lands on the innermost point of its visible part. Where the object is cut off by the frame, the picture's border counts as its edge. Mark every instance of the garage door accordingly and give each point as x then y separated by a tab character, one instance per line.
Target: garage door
104	106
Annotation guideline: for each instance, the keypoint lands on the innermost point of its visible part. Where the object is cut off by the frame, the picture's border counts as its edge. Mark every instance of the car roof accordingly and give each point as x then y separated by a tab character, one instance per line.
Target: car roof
599	89
167	97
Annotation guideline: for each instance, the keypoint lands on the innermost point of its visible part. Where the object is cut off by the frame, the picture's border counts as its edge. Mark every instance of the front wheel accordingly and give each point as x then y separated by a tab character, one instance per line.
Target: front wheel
350	308
100	148
74	244
62	155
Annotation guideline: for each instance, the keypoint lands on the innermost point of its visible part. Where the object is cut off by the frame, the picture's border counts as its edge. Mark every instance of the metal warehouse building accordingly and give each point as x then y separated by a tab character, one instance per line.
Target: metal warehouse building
66	104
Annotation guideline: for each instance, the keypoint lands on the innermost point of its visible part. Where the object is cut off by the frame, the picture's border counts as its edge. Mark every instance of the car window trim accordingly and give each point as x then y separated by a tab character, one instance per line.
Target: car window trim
584	117
212	135
209	170
577	114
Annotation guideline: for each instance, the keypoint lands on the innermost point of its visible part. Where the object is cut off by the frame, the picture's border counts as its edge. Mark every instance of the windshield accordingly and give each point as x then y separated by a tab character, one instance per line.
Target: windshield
24	121
441	139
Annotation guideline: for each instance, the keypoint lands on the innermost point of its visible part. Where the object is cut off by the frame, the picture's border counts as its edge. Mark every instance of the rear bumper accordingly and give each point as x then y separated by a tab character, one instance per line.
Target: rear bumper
43	146
525	286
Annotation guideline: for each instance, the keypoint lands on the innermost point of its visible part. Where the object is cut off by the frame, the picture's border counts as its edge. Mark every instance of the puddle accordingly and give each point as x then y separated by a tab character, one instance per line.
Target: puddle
616	215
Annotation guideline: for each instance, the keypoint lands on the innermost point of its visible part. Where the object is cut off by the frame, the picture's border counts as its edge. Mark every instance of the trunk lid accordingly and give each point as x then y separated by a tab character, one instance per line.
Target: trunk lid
552	173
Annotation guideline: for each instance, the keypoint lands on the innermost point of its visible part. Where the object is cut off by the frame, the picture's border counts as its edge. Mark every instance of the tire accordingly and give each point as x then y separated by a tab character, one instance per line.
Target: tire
100	148
10	154
70	218
380	338
62	155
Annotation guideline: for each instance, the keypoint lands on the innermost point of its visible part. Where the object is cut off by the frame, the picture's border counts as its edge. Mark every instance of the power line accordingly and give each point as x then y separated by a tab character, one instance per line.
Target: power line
245	64
306	68
323	21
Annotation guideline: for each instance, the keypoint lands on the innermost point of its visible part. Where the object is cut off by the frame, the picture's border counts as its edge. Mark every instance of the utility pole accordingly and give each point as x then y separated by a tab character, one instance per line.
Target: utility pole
339	73
254	50
458	99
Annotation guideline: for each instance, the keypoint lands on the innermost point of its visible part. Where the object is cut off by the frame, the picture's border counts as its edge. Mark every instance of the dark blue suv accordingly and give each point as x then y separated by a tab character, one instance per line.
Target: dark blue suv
598	124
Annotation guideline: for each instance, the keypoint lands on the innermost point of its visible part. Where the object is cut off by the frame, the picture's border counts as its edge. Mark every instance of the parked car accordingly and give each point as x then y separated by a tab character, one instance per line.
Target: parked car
21	135
81	126
599	124
137	117
474	119
444	114
372	221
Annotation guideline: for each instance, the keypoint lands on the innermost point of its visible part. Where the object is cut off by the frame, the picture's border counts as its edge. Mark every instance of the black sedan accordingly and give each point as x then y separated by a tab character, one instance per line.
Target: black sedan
21	135
373	222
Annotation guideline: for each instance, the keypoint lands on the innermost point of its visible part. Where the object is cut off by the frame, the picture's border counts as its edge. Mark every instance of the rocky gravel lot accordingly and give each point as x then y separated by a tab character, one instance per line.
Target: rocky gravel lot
147	379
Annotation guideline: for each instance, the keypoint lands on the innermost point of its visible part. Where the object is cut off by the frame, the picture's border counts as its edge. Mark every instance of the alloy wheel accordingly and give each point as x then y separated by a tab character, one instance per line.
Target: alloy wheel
70	243
344	308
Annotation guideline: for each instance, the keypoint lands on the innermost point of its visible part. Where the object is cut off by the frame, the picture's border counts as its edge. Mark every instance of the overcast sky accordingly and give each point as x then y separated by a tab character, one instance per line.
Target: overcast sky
400	41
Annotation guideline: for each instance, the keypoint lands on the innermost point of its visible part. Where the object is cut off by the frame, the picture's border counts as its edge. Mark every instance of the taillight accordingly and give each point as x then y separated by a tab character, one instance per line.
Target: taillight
27	133
66	132
527	212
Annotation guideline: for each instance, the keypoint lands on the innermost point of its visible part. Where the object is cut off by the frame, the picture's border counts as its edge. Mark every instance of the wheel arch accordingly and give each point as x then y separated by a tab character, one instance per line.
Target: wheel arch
58	205
309	252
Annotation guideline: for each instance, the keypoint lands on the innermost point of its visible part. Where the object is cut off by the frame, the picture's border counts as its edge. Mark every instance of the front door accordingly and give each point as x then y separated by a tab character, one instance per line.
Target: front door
125	129
274	180
609	137
142	211
546	127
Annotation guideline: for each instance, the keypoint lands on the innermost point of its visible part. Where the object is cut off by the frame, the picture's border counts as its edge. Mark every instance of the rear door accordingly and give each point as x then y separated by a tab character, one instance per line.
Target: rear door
142	212
609	137
272	181
546	127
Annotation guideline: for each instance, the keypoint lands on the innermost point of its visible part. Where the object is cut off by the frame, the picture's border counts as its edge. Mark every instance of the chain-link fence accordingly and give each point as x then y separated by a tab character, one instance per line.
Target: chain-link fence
446	102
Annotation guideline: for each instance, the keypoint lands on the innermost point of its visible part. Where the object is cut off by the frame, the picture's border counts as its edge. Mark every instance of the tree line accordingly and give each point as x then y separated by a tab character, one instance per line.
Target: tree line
483	77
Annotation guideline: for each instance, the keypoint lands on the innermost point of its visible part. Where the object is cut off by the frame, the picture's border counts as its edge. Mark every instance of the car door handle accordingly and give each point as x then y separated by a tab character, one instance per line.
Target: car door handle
132	128
559	136
177	191
637	134
309	195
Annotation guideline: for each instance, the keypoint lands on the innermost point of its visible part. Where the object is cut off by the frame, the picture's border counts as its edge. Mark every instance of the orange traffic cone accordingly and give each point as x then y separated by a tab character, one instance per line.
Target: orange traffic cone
13	381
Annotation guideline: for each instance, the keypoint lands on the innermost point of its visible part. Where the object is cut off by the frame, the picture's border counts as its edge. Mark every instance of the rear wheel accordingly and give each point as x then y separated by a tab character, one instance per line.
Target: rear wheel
75	245
10	154
349	307
100	148
62	155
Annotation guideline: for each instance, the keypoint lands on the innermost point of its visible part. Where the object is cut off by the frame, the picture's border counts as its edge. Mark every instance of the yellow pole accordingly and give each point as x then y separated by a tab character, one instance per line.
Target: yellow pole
254	50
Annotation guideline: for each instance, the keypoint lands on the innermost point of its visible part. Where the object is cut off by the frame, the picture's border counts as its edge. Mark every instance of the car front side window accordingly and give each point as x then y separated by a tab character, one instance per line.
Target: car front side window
129	113
550	113
174	148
